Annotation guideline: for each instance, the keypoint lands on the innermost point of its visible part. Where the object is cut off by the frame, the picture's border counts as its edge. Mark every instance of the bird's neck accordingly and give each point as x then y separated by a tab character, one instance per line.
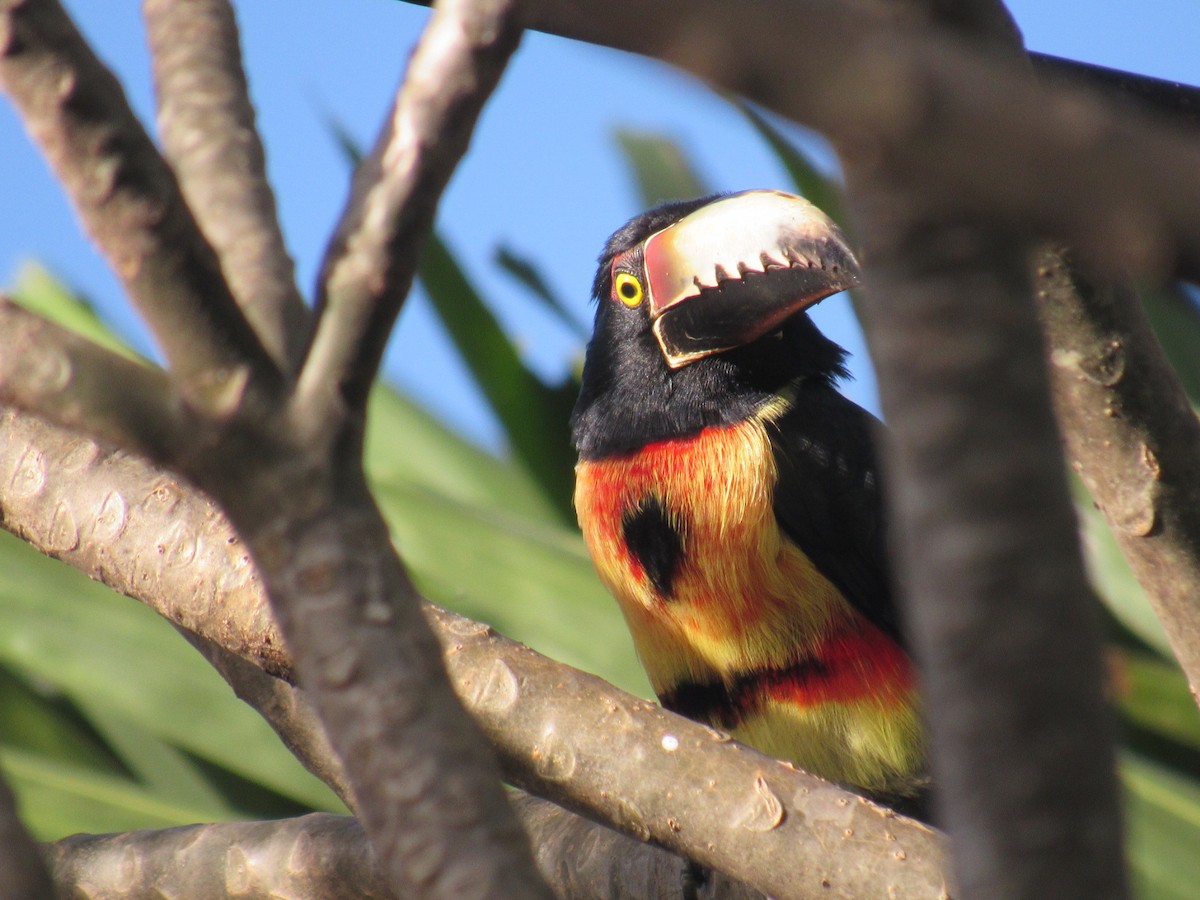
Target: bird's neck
630	398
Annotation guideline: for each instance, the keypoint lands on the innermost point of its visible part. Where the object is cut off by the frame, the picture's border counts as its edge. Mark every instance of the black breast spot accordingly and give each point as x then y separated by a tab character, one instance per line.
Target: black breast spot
655	542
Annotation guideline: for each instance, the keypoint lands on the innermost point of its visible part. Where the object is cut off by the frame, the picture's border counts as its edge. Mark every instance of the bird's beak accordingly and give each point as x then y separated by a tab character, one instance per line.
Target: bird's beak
736	269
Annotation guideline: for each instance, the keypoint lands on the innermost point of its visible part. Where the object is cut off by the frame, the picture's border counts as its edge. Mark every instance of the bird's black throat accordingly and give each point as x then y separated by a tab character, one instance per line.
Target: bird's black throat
630	397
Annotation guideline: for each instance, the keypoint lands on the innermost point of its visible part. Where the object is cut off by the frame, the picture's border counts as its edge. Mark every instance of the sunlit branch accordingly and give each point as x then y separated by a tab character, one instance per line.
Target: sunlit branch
206	123
374	252
127	197
53	373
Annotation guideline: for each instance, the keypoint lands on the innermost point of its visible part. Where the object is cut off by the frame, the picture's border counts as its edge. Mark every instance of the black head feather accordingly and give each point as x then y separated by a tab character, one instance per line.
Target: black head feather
630	396
637	230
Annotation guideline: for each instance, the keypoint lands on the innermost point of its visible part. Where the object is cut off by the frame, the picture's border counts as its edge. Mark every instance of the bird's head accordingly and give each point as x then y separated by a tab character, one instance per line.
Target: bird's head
701	316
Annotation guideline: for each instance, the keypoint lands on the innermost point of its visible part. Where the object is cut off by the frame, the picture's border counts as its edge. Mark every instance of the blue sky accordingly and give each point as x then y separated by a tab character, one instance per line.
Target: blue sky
543	175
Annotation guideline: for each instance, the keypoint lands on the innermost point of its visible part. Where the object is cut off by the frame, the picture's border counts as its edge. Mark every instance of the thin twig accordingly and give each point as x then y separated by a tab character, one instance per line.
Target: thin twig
285	709
206	123
373	256
128	199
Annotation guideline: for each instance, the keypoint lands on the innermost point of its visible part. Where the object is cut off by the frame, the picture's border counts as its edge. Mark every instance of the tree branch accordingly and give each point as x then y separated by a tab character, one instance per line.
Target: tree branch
285	709
1133	437
577	740
295	492
127	197
555	715
70	380
977	134
1179	103
577	857
327	856
137	529
992	577
317	855
375	250
581	860
990	563
206	122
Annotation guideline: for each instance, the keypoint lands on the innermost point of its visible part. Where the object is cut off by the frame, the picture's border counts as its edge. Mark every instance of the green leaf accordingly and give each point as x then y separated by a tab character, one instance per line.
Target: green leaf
1163	829
1176	321
530	579
346	142
165	771
1112	577
406	444
1154	695
40	720
60	628
534	416
660	167
58	798
480	538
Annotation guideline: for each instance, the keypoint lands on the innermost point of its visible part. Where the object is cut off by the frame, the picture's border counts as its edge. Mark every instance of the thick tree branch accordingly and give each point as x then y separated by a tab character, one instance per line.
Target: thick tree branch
577	857
373	256
22	874
575	739
127	197
1132	436
992	578
1179	103
585	861
318	855
990	563
70	380
559	732
295	492
206	123
137	529
328	857
974	131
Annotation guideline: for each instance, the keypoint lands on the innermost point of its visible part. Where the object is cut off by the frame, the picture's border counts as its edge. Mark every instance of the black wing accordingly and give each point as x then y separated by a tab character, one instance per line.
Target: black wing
827	498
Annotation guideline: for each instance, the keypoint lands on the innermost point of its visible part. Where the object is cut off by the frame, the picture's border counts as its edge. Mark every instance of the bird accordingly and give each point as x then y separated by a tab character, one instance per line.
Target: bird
728	493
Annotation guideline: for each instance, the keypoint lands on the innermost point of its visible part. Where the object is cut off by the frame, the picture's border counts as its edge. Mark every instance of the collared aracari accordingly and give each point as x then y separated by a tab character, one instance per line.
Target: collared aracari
728	494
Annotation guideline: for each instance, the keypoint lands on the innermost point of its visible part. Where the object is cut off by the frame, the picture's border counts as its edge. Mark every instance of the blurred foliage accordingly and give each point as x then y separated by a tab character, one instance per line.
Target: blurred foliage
109	720
526	273
533	414
660	168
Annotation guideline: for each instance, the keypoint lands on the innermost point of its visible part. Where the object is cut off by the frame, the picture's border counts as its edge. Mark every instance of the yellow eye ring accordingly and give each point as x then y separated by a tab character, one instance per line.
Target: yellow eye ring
628	289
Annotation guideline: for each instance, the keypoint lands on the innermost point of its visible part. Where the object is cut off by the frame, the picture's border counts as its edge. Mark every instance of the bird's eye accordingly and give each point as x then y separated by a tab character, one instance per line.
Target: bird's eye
628	288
